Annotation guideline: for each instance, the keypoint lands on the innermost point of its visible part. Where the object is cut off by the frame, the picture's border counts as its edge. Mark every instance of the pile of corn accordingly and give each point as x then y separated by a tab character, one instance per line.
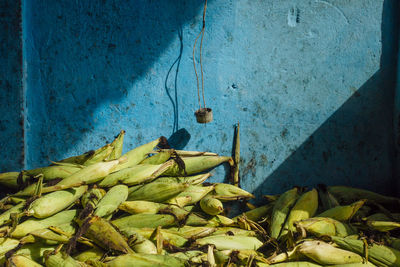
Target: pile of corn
152	207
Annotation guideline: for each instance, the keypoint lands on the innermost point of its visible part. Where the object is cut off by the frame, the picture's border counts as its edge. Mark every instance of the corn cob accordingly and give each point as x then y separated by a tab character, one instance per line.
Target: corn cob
192	180
230	192
138	259
347	195
21	261
54	202
305	207
34	224
192	195
281	210
223	242
135	175
343	213
195	165
320	226
140	206
158	158
110	202
164	191
5	216
211	205
144	220
59	170
378	254
117	145
137	154
106	236
326	254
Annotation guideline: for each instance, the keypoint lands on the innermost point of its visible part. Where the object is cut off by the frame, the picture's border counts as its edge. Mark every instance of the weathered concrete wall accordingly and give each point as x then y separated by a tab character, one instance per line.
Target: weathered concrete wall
11	93
306	80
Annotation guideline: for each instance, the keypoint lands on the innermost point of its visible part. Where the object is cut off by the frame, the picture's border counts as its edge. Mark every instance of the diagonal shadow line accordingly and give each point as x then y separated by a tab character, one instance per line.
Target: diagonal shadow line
354	146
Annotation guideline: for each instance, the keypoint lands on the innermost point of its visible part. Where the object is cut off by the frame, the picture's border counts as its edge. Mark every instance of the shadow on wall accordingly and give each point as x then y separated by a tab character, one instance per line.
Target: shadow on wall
352	135
83	54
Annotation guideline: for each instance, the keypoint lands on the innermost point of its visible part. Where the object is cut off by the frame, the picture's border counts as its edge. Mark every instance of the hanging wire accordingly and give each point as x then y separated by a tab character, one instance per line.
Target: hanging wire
201	64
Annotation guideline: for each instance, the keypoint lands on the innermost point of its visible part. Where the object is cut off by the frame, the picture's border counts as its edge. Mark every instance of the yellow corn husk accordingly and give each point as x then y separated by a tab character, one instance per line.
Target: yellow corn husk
112	199
343	213
320	226
259	213
142	260
31	225
117	145
159	158
90	254
223	242
157	192
326	254
5	216
59	170
190	232
192	180
230	192
106	236
90	174
195	165
297	264
233	231
21	261
281	210
9	179
135	175
192	195
348	195
137	154
305	207
92	197
211	205
61	259
378	254
144	220
140	206
54	202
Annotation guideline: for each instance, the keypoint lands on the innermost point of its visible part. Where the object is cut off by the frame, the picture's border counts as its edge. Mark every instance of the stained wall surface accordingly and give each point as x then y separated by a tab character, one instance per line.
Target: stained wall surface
311	83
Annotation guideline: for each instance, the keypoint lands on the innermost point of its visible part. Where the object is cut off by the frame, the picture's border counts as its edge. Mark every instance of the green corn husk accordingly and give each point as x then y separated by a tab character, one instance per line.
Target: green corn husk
185	153
192	180
140	206
366	264
219	220
146	260
82	159
320	226
233	231
327	200
190	232
110	202
326	254
7	244
230	192
5	216
195	165
378	217
9	179
159	158
61	259
54	202
135	175
297	264
258	213
117	145
211	205
90	254
223	242
343	213
92	197
144	220
106	236
382	226
35	251
136	155
378	254
348	195
281	210
192	195
172	237
31	225
394	243
157	192
59	170
21	261
99	157
47	234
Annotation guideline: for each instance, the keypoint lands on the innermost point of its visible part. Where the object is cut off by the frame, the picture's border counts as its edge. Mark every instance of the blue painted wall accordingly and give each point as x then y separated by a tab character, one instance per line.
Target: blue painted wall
311	83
